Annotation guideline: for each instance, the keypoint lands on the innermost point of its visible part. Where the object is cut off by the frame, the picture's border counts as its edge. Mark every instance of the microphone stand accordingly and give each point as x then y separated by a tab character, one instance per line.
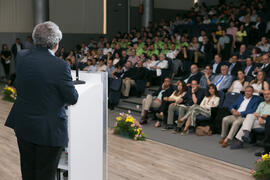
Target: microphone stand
77	81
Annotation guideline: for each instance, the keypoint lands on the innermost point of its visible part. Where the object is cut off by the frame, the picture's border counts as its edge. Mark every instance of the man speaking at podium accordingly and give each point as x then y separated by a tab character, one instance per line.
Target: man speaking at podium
44	85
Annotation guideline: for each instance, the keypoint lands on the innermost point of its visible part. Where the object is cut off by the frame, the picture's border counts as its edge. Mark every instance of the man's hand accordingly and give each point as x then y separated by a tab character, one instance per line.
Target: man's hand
261	121
257	115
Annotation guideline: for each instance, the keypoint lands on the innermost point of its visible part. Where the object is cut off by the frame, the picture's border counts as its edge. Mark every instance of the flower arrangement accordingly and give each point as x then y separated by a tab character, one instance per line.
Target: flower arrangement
127	126
9	93
262	168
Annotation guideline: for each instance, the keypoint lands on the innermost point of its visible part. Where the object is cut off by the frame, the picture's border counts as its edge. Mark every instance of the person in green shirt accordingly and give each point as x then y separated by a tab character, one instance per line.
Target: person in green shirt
165	49
253	121
152	51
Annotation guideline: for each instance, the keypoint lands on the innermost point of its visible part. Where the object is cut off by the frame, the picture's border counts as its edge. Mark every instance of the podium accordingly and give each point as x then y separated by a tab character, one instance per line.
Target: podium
87	125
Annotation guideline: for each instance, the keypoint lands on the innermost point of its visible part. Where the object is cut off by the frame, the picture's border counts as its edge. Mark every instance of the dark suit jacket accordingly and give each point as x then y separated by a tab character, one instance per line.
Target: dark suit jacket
236	68
14	49
218	67
44	86
252	105
196	77
166	93
250	70
267	70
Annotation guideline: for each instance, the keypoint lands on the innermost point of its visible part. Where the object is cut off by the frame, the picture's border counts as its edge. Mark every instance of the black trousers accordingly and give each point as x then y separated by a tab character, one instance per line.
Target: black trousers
6	68
38	162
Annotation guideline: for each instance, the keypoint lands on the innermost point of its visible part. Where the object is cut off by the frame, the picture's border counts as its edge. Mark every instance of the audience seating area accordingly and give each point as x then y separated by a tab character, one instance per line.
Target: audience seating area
225	46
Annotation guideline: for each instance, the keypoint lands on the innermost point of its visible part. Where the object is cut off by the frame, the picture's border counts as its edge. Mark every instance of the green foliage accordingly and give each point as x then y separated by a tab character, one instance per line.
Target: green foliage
262	168
9	94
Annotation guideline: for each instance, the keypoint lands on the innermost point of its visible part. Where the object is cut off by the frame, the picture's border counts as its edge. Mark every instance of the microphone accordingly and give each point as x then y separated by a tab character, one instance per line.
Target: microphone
77	81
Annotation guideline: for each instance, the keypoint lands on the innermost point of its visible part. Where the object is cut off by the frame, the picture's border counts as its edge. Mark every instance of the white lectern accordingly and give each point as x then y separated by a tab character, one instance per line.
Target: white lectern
87	122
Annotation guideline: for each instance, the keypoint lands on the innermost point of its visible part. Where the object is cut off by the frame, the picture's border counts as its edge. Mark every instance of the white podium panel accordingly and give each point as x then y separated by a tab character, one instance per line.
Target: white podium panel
87	122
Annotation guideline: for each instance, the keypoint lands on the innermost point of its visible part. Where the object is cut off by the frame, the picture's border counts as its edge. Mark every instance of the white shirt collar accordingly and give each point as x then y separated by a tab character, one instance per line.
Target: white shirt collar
52	53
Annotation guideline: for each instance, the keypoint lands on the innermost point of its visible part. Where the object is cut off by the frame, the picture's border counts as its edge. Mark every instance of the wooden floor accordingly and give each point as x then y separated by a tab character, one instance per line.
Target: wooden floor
130	160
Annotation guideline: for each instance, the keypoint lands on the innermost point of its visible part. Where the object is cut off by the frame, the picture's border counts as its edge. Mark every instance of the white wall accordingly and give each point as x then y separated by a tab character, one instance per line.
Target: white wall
16	16
80	16
168	4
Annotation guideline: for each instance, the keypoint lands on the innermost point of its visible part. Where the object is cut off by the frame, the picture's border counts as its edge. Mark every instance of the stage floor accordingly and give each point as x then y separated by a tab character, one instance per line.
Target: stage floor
131	160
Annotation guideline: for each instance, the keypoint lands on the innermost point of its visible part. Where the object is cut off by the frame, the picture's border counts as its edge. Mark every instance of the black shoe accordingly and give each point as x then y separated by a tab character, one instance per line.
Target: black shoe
246	138
124	97
177	130
260	153
167	127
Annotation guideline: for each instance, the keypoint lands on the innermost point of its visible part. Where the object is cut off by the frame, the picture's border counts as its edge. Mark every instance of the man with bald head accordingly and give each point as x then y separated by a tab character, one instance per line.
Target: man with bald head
195	74
252	121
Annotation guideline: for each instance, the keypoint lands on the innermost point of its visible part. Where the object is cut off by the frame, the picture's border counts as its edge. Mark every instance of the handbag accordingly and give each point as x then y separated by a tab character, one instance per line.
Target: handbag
203	131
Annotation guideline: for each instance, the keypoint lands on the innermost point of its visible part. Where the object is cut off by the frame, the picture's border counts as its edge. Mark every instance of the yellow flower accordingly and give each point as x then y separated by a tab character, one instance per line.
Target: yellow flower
265	157
119	118
130	119
138	131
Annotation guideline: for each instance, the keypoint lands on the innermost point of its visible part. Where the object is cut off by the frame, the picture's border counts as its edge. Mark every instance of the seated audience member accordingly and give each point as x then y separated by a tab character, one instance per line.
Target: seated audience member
205	50
234	66
110	68
259	84
266	141
264	67
177	97
173	54
124	58
156	70
93	66
224	39
184	62
249	67
195	74
88	64
256	55
154	100
243	106
243	53
194	96
101	67
252	121
207	77
223	81
263	45
194	48
217	64
131	76
240	84
210	100
133	58
240	35
116	58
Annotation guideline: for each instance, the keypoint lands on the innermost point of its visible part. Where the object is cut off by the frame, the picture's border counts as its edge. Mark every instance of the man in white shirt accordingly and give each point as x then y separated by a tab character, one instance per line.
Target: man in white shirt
162	63
242	106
